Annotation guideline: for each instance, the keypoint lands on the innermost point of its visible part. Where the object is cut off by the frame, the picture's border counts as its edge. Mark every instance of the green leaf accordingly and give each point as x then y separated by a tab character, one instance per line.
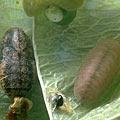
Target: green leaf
13	15
60	50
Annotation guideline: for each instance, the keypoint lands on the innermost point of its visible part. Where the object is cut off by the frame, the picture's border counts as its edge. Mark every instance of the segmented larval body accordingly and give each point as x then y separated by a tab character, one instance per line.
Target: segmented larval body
98	71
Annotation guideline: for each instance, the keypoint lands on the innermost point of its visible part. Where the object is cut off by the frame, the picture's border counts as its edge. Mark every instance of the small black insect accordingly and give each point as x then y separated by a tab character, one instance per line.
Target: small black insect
59	100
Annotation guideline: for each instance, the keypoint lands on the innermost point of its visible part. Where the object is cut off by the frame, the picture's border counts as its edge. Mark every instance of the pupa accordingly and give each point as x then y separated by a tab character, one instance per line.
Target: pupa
16	71
98	71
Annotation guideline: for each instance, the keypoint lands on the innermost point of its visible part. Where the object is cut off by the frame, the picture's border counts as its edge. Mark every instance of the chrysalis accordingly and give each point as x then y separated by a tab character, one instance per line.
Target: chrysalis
16	73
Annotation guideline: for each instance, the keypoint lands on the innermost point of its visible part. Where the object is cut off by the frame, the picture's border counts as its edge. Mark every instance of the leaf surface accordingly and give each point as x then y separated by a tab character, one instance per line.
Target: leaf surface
60	51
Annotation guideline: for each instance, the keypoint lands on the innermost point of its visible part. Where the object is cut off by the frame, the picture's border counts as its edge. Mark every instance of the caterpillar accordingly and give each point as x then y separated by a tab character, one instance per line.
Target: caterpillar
60	12
34	8
98	71
16	71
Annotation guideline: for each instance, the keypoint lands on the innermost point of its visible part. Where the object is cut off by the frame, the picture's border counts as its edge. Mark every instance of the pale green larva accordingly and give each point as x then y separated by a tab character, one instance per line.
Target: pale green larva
34	7
54	14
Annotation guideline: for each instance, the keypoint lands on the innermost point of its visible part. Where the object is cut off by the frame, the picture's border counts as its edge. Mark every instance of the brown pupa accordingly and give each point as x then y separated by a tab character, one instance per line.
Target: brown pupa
16	71
98	71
